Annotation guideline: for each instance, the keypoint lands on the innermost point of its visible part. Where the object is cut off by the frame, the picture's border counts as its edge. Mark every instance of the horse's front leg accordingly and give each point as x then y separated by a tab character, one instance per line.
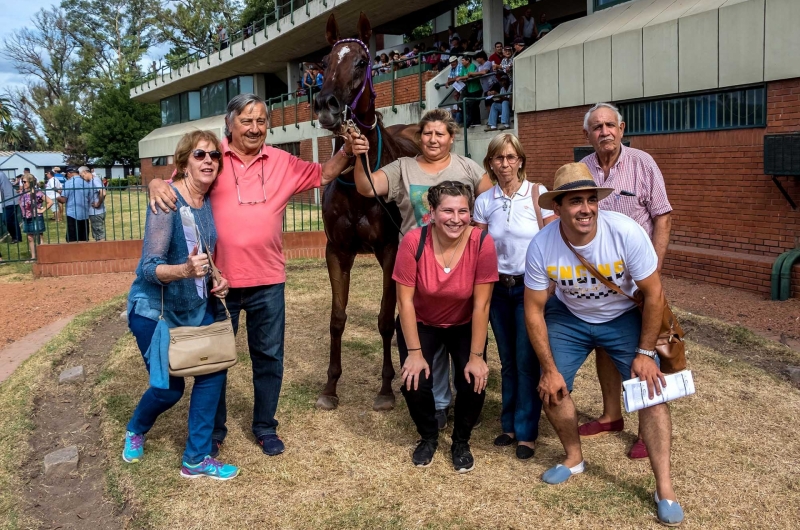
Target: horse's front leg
386	256
339	266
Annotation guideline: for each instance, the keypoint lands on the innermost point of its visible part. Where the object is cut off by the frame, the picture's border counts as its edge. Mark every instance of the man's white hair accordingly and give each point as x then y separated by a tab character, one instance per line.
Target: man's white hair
598	107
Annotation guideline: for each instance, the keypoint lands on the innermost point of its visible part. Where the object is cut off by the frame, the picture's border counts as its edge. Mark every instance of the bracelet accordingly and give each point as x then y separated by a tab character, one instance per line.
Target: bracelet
344	153
414	349
477	353
648	353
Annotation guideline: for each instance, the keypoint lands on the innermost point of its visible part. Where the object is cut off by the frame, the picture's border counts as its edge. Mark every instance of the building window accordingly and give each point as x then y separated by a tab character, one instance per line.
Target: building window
159	161
170	110
246	84
293	148
213	99
602	4
729	109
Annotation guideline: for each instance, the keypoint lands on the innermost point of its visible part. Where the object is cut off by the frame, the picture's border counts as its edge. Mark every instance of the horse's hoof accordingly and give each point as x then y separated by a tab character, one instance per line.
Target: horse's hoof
327	402
383	402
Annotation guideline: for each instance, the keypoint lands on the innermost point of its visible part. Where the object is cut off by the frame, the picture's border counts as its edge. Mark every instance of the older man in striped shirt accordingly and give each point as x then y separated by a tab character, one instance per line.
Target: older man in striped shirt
639	193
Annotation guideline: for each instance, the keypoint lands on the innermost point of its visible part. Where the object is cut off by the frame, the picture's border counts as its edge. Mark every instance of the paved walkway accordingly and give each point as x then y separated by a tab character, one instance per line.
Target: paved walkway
13	355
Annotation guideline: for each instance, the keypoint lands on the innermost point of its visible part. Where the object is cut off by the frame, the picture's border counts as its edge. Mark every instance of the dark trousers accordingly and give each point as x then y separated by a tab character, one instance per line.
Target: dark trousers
519	366
473	108
77	230
266	322
456	341
12	221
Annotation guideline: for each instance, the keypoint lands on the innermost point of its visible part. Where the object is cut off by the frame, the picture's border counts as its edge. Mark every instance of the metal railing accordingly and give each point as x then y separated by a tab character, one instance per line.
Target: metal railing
125	211
233	36
303	214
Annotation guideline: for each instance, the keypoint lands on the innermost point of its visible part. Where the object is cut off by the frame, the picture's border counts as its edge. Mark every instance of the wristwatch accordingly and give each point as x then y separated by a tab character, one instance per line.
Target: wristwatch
649	353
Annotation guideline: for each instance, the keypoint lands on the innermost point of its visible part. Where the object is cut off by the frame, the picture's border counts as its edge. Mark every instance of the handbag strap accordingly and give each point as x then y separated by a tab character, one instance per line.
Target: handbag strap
215	274
536	208
592	270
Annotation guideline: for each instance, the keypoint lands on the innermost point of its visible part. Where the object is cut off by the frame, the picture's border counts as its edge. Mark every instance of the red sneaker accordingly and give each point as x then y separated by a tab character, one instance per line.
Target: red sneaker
595	428
638	450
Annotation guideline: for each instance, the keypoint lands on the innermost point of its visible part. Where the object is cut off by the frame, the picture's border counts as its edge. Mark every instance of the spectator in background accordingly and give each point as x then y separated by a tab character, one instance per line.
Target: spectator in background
433	58
497	56
527	27
299	90
385	66
452	34
501	106
97	210
76	195
543	26
455	46
396	63
452	77
509	24
519	46
32	205
8	199
472	90
376	66
318	78
477	32
222	36
53	189
507	64
59	175
444	56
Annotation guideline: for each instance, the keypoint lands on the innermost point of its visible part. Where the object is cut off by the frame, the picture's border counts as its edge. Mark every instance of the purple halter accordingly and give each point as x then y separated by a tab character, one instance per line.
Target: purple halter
367	80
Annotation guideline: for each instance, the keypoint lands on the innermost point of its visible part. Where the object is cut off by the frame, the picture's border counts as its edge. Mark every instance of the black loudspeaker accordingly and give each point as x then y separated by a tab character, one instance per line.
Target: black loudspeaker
782	154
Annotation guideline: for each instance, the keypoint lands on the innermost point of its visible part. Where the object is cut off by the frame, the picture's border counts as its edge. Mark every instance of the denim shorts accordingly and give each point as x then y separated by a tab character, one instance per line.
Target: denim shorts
573	339
34	225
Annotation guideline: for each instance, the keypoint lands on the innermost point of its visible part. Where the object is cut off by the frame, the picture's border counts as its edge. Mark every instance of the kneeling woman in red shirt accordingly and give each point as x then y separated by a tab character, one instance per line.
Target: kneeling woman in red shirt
445	273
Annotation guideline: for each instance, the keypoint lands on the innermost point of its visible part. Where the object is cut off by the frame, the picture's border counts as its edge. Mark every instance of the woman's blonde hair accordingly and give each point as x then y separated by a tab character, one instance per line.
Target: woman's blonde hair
31	180
185	147
496	147
435	115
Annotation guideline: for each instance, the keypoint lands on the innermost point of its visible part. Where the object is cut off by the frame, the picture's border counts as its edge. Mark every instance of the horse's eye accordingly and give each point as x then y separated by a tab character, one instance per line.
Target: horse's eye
362	63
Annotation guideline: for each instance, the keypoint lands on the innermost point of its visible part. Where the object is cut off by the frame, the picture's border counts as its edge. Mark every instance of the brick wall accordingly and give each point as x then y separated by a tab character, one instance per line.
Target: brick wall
72	259
149	171
730	222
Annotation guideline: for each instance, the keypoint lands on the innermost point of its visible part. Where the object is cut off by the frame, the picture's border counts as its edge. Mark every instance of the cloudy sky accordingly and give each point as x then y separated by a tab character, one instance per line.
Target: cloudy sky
15	15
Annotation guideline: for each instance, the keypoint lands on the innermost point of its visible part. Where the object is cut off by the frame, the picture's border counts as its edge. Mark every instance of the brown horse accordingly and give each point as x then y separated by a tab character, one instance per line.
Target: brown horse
354	223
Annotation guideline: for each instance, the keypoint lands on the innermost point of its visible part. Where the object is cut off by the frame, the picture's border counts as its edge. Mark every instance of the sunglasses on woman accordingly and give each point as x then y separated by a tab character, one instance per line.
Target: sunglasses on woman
199	154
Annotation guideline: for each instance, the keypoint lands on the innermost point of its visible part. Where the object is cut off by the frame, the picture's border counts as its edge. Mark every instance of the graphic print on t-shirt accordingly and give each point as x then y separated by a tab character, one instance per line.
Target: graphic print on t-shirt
418	195
577	282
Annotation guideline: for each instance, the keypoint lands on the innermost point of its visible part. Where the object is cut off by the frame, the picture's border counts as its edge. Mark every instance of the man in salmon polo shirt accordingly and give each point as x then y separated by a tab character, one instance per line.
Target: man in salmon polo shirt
248	200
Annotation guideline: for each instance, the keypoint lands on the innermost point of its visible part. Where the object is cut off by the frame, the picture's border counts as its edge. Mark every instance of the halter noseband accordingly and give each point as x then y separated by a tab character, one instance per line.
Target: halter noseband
367	80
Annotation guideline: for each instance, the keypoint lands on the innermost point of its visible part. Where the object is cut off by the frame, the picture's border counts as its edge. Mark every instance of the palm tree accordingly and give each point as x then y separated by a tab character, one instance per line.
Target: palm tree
5	110
11	136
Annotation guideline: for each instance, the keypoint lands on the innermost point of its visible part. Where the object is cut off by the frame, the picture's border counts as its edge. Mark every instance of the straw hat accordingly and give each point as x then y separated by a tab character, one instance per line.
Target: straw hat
572	177
453	59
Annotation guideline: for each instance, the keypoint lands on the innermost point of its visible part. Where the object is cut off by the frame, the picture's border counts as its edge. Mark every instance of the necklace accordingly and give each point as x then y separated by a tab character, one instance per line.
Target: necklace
447	268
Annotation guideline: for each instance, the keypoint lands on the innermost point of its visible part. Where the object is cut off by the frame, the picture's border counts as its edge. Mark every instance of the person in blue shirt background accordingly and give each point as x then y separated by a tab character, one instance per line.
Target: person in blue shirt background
77	194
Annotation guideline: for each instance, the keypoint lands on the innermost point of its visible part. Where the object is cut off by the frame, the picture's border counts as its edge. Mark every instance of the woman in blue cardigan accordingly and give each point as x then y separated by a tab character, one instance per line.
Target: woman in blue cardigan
170	268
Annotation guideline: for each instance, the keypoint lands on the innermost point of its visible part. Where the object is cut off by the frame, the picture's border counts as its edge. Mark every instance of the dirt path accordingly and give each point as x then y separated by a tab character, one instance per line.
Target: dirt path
27	304
64	416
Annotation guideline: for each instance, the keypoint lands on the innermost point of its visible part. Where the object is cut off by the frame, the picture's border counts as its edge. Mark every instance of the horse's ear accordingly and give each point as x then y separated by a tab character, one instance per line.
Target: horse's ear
364	29
332	30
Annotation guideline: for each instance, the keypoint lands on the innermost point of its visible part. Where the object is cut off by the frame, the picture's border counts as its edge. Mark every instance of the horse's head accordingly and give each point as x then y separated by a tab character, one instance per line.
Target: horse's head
347	80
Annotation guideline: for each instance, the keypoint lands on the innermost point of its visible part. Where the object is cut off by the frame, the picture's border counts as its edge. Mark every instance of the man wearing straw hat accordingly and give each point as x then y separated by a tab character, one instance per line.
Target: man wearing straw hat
585	314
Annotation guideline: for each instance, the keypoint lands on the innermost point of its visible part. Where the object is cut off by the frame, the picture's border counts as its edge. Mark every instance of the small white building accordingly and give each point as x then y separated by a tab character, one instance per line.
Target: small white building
39	162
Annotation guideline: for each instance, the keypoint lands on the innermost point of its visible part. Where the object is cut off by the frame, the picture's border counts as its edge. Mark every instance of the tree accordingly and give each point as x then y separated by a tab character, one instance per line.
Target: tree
15	137
51	105
117	124
112	35
191	24
5	111
255	10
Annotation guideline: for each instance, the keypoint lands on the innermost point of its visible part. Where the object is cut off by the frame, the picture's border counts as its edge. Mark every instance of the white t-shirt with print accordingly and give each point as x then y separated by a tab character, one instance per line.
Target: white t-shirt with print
512	224
620	250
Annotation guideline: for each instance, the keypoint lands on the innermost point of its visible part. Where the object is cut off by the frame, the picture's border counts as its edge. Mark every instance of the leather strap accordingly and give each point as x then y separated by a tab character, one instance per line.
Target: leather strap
536	208
593	271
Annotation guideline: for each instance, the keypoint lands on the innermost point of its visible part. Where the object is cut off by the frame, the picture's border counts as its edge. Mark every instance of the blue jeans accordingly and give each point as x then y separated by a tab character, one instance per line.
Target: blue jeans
573	339
266	323
440	371
155	401
519	366
502	109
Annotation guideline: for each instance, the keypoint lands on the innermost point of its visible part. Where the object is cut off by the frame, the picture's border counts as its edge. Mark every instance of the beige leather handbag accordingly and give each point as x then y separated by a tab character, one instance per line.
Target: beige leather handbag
200	350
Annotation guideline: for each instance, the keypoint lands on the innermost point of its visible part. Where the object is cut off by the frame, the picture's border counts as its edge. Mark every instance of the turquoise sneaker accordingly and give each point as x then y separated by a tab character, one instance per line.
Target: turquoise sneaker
134	447
211	468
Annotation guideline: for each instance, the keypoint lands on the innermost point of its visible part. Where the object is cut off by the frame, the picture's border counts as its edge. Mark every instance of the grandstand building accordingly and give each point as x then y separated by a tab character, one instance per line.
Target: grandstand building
710	88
